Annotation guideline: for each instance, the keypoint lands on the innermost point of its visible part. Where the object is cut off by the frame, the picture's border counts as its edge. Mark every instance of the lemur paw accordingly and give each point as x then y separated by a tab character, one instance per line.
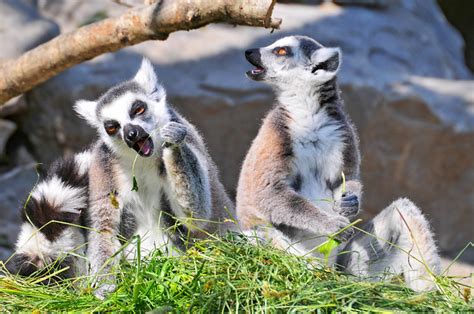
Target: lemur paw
104	290
173	134
349	205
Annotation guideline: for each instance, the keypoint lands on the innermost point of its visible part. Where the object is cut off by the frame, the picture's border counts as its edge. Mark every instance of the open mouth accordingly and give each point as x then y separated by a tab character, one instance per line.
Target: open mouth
144	146
258	72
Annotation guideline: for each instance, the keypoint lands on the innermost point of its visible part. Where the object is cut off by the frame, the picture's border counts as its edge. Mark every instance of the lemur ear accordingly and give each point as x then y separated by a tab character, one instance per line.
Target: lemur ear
146	78
87	110
326	60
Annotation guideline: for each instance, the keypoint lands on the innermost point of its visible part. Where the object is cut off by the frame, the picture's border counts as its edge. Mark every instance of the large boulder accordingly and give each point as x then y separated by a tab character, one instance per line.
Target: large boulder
6	130
16	185
22	27
459	13
405	86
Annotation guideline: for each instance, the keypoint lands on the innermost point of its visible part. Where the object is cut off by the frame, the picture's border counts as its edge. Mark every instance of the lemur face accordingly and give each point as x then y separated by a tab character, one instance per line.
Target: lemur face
128	116
293	59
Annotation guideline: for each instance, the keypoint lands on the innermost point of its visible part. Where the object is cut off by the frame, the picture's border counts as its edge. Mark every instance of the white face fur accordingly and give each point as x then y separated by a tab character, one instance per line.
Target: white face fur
136	108
294	60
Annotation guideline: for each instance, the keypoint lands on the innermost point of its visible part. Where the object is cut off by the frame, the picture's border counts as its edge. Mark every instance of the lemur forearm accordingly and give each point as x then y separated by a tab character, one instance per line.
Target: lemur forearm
288	208
103	215
188	177
103	238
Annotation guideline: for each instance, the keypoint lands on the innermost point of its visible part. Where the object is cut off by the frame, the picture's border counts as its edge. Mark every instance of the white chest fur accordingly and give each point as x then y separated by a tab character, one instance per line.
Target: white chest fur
318	153
145	205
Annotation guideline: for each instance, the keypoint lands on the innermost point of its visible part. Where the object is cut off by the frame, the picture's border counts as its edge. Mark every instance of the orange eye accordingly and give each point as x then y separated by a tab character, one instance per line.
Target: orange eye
111	127
139	110
111	130
282	52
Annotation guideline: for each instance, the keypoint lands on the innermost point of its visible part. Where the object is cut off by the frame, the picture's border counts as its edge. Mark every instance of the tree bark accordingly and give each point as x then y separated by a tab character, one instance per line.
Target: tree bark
155	21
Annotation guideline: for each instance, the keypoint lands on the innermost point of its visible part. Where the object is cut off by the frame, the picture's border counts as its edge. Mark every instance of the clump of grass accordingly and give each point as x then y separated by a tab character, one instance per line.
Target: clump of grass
230	275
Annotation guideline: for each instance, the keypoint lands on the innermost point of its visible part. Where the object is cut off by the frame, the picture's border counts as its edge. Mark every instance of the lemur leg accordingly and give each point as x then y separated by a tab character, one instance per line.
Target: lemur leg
47	238
276	238
402	244
287	208
104	217
187	174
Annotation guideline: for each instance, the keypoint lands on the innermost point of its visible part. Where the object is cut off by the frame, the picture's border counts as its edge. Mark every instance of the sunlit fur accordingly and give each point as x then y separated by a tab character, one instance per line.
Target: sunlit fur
290	190
168	198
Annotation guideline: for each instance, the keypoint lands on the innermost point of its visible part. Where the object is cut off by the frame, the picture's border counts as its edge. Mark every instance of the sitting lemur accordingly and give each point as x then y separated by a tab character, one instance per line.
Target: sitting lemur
291	188
148	174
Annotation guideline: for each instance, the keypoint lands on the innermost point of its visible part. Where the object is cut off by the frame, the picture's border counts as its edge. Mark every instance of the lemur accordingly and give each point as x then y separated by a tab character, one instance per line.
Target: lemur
290	191
148	174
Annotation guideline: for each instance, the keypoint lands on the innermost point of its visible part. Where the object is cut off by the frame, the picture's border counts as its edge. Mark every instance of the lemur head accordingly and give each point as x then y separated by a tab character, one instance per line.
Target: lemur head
293	59
128	116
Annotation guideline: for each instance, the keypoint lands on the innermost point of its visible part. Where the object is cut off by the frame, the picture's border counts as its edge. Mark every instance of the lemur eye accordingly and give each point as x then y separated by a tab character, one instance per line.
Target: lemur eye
111	127
138	108
281	51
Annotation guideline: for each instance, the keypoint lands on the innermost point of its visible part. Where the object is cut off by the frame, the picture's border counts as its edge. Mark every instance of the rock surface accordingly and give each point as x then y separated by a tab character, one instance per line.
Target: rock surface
459	13
6	130
22	28
16	185
405	86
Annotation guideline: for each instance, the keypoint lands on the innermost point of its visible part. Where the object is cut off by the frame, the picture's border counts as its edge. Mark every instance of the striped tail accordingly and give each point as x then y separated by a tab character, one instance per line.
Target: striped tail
46	235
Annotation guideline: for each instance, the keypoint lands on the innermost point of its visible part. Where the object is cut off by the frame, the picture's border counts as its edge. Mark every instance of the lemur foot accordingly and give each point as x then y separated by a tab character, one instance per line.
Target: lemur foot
173	134
104	290
349	205
338	223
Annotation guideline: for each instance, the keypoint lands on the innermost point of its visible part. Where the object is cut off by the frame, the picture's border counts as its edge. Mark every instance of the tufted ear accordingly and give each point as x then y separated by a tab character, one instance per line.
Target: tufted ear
87	110
146	78
326	61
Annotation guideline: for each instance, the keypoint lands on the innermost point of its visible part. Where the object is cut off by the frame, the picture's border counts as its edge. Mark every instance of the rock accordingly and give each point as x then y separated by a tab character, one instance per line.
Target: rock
6	130
405	86
459	13
16	185
411	148
14	106
462	272
22	28
69	15
366	3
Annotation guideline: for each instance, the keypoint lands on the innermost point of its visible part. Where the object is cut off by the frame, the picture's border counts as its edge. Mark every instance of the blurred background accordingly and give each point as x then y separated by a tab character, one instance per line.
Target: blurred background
407	81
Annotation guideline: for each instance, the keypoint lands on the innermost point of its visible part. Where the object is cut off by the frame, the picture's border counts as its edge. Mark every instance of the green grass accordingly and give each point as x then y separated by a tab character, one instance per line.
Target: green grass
231	276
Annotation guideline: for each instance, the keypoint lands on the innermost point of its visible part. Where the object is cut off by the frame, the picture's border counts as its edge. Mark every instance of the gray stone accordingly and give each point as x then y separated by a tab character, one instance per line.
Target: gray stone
16	185
6	130
405	86
366	3
22	28
69	15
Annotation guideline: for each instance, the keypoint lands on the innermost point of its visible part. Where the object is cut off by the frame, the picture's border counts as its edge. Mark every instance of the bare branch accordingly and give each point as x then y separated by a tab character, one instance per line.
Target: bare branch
156	21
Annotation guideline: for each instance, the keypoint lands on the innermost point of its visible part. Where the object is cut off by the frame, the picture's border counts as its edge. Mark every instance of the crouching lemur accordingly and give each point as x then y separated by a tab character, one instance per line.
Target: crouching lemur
291	190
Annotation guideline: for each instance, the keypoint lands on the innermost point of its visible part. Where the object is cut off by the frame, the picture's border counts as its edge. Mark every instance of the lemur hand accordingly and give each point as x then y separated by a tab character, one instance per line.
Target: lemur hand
348	205
173	134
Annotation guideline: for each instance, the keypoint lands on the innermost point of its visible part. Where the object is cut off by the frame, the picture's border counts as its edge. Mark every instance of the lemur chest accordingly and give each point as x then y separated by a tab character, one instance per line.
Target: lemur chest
318	145
142	201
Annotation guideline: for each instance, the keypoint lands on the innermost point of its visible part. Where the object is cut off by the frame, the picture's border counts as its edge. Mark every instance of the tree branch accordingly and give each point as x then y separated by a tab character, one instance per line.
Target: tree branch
155	21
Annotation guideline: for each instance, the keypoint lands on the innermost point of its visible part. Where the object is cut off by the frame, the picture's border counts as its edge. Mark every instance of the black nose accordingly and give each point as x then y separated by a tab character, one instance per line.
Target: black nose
249	52
132	134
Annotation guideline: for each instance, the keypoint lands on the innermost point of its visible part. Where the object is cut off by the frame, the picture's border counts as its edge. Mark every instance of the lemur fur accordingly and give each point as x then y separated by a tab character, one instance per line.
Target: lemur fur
290	187
179	196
